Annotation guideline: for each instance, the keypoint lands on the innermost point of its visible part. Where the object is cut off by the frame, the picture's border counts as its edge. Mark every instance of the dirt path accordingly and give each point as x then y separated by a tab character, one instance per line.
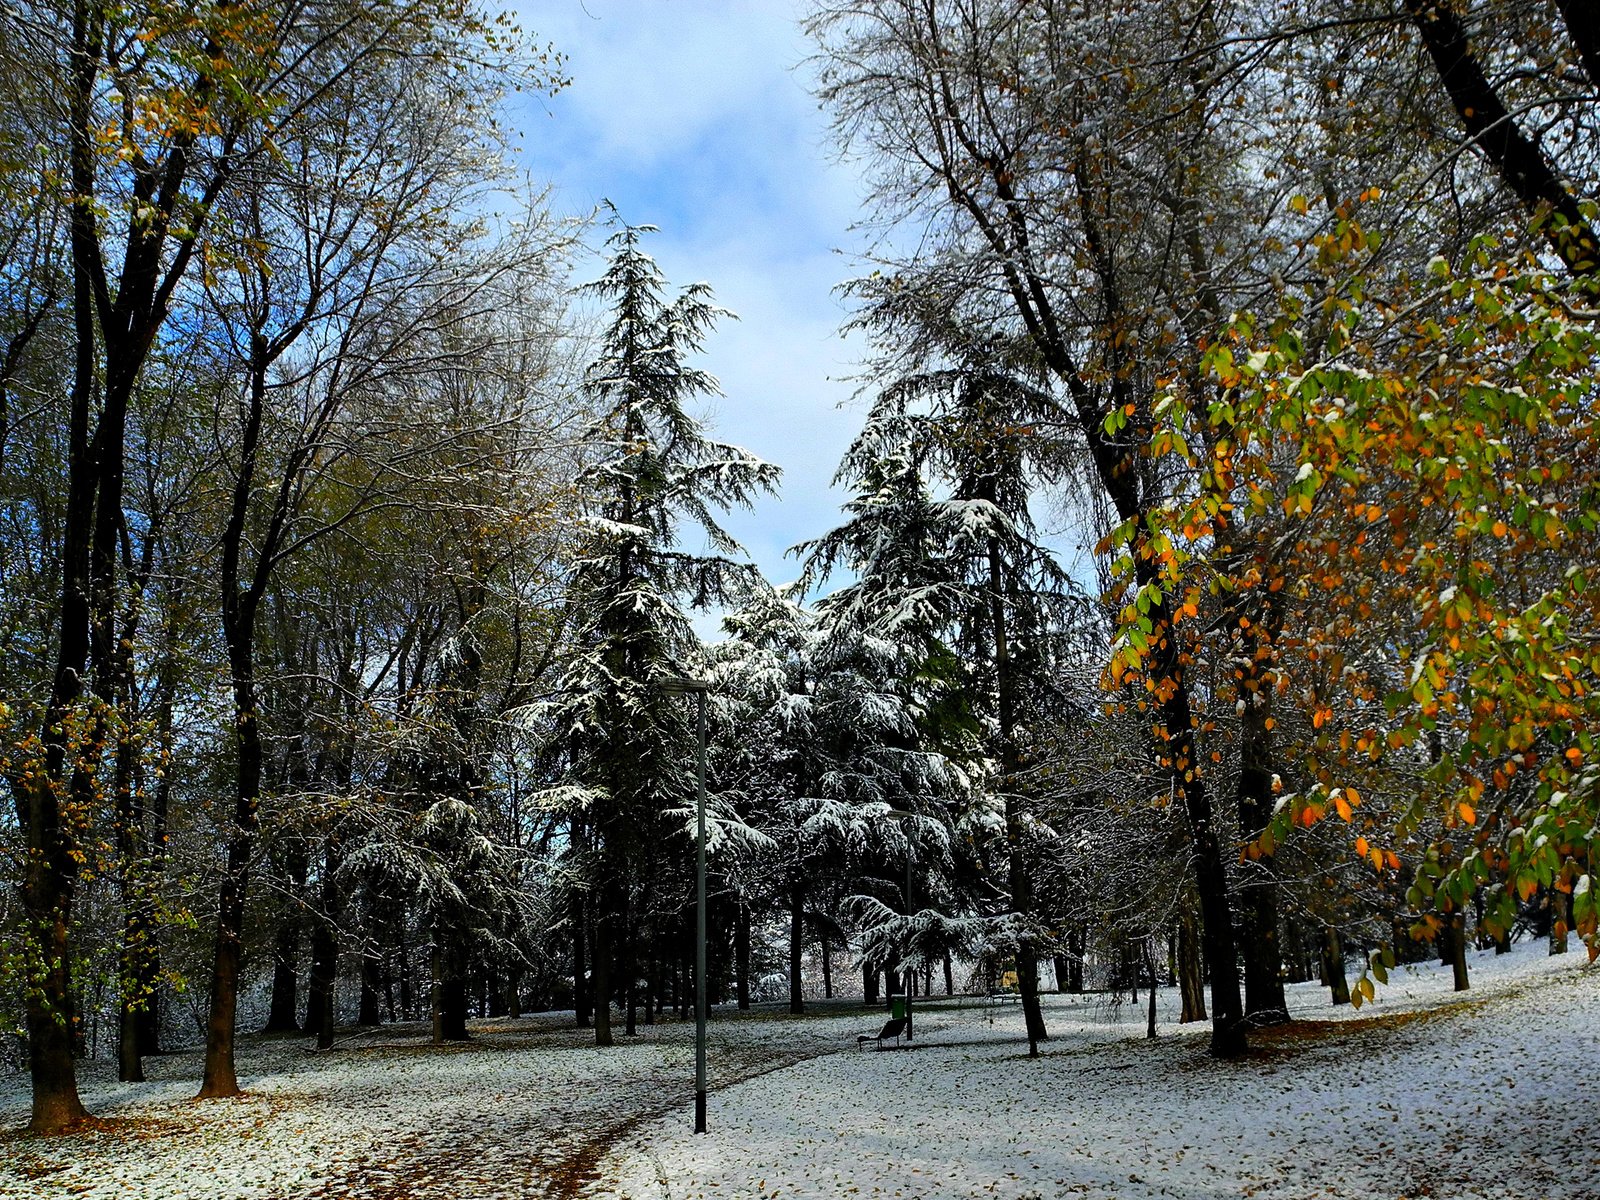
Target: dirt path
522	1142
579	1173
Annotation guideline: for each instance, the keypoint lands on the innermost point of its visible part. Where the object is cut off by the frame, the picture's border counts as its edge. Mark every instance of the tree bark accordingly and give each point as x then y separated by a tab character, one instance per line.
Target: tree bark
1458	950
149	1017
797	1003
1264	1002
1017	868
1150	962
579	916
1191	970
1077	947
1582	19
1517	158
283	1009
436	992
741	953
602	978
1333	966
320	995
1560	905
371	978
451	1021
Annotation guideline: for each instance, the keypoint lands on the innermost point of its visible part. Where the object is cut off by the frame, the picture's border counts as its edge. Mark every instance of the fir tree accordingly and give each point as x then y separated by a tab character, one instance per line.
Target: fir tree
654	473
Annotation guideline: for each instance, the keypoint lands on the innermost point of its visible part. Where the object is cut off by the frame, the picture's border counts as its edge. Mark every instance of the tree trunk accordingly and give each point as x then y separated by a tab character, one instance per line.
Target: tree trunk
47	892
1333	965
436	992
320	996
1150	961
133	882
452	994
827	969
513	996
51	869
1458	950
1191	970
949	975
240	607
283	1011
741	953
407	999
388	988
149	1019
797	1002
1518	158
1560	905
631	1003
581	991
371	981
1017	870
1264	1002
869	985
602	977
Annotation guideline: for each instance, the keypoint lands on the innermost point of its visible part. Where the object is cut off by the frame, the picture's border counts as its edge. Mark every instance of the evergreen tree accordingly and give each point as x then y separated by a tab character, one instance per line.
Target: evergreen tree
964	573
654	471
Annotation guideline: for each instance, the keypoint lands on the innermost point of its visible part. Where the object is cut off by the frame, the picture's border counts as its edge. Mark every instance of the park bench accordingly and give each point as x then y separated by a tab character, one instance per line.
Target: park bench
891	1029
1005	996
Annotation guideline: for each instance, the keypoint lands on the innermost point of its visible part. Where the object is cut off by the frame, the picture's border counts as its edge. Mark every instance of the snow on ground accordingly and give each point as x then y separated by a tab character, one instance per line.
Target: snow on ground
1491	1094
520	1112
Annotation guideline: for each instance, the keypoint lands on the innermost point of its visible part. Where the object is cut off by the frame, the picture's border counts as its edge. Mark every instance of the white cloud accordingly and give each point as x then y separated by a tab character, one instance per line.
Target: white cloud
690	115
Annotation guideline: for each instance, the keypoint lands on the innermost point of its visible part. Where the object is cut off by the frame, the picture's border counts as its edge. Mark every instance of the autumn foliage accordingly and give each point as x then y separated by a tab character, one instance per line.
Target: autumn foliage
1415	461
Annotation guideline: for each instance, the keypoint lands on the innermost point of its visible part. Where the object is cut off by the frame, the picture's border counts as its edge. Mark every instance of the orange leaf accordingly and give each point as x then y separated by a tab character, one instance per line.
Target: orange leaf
1468	813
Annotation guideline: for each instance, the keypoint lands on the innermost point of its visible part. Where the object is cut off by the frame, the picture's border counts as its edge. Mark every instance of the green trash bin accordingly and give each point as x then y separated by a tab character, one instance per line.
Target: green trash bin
898	1011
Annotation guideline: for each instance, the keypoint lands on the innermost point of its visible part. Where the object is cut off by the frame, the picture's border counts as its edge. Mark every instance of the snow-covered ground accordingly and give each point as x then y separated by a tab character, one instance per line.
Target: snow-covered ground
523	1111
1492	1094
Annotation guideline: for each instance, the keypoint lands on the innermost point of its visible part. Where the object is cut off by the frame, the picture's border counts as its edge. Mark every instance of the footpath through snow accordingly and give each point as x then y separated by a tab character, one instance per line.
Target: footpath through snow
1494	1095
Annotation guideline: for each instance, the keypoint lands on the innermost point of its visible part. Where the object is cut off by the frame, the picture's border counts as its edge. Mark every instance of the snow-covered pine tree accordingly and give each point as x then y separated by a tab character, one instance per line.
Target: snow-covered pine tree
831	721
965	573
653	473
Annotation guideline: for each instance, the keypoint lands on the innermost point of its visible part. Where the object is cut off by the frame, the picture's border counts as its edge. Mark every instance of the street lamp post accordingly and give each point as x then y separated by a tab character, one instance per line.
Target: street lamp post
699	687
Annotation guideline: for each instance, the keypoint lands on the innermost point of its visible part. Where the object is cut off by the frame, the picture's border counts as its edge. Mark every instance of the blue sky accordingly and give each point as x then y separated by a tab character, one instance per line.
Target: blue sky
693	115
